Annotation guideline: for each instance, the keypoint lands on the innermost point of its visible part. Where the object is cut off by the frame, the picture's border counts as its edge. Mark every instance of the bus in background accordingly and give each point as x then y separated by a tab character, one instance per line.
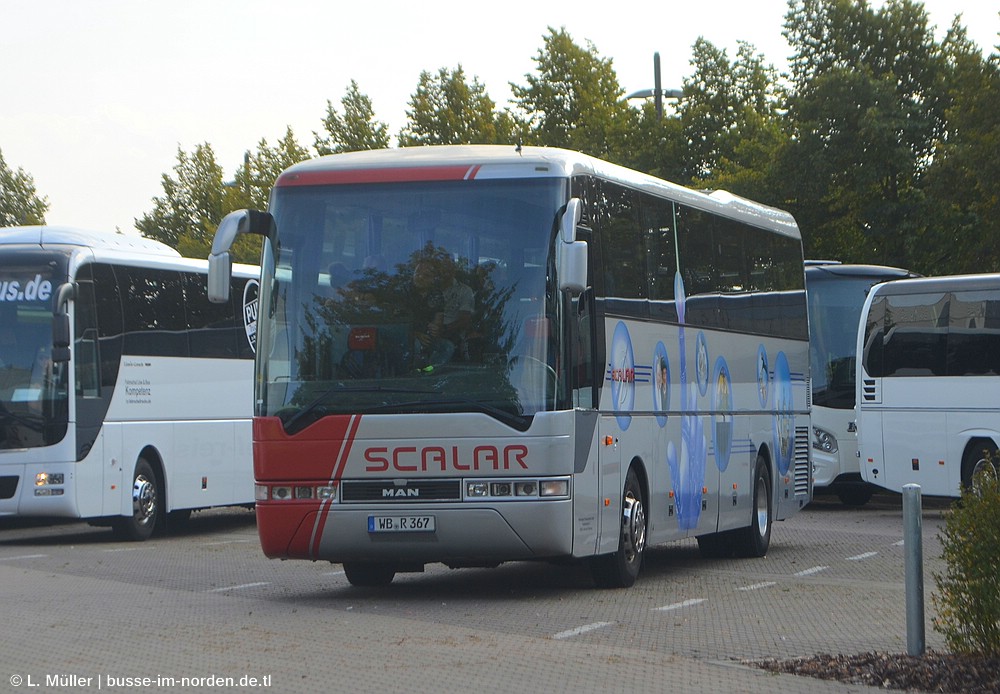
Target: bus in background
479	354
836	294
928	412
124	392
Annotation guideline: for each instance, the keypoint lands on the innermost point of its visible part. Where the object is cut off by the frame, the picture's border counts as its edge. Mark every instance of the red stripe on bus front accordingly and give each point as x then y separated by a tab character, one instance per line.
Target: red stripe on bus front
386	175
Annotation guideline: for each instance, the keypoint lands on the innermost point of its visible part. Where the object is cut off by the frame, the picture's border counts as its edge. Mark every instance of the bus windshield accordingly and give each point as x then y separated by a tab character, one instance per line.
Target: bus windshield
834	310
33	393
410	297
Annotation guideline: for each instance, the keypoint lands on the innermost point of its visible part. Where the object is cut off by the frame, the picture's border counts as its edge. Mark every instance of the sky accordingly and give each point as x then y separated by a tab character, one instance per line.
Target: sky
97	96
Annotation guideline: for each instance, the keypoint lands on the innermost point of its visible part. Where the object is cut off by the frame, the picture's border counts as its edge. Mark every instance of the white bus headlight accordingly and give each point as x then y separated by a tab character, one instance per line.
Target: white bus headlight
824	441
554	488
43	479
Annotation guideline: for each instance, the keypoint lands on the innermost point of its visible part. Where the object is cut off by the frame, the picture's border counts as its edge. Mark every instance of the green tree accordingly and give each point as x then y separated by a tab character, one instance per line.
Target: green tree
732	120
20	203
192	203
574	100
354	130
448	109
867	111
251	187
963	233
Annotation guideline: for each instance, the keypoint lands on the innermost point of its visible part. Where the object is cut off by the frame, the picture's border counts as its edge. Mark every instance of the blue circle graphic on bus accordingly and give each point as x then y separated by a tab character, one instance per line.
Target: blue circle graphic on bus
622	373
722	417
763	376
661	384
701	363
784	430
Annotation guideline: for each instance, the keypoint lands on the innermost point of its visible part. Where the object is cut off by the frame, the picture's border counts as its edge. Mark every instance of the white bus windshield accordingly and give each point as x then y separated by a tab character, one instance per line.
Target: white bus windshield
410	297
834	310
33	394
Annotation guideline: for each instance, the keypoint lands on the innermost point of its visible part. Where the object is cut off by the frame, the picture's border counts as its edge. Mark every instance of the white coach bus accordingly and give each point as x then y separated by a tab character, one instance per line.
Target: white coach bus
124	393
929	367
837	293
479	354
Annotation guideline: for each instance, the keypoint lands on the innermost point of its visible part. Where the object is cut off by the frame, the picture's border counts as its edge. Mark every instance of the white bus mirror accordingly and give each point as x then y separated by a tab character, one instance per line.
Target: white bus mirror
571	265
220	264
570	218
220	270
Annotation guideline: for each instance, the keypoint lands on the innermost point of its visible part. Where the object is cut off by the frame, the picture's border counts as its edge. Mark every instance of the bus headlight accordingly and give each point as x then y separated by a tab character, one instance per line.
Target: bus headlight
43	479
824	441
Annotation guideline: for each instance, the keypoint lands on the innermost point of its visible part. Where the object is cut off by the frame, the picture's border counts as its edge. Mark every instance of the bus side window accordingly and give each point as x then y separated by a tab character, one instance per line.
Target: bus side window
88	382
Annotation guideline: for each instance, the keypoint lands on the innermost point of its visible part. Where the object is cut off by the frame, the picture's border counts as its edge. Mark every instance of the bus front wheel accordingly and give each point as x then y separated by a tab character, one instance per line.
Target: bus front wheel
620	569
147	504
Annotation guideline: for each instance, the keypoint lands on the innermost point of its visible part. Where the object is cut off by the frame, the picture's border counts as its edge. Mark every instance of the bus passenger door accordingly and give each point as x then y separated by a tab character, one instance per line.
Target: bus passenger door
611	481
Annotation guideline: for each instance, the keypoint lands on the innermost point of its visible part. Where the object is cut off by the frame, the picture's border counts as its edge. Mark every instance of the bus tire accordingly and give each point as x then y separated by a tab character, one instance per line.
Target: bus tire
754	540
369	574
856	496
147	505
621	568
980	457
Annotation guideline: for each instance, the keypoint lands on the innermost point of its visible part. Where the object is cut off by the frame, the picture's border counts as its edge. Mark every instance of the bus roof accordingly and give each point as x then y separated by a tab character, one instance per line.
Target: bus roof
479	162
70	236
822	269
944	283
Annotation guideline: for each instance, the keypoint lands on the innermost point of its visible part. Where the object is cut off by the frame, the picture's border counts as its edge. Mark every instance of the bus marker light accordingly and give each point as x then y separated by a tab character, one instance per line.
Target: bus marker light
671	494
607	502
609	440
260	492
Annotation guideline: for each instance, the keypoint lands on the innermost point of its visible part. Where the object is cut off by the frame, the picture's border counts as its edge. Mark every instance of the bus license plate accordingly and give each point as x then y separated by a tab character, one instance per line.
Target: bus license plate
400	524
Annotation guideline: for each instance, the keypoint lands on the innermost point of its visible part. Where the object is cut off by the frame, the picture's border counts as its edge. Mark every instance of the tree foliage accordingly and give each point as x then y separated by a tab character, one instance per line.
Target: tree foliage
20	203
882	141
574	100
355	130
447	109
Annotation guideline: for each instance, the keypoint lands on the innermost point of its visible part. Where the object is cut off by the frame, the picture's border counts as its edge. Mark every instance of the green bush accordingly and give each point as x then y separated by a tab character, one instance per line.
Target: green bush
968	597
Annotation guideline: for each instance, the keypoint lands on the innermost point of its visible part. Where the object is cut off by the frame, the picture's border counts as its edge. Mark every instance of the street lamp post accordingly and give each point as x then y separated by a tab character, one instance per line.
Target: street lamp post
657	91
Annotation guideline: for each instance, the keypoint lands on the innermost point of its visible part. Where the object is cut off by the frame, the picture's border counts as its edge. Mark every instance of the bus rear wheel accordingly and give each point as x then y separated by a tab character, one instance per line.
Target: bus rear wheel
147	504
754	540
369	574
979	458
620	569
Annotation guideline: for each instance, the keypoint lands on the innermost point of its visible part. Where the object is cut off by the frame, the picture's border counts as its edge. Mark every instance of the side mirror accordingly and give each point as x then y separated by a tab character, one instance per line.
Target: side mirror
220	264
571	255
60	323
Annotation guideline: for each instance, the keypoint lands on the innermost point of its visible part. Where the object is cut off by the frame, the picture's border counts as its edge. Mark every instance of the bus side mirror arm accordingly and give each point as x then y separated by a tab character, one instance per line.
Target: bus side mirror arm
220	264
571	255
60	322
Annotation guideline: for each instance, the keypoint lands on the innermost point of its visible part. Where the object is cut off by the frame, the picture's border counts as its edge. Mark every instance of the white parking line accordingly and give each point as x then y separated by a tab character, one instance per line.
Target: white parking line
121	549
333	573
859	557
224	542
899	544
679	605
813	570
581	630
239	587
24	556
758	586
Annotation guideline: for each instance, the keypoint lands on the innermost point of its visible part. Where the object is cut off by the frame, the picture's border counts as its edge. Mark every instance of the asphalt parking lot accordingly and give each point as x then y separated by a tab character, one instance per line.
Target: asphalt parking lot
204	609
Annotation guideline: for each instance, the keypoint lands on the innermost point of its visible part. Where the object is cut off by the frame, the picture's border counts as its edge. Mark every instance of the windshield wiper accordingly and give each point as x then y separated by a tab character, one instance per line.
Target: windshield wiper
337	389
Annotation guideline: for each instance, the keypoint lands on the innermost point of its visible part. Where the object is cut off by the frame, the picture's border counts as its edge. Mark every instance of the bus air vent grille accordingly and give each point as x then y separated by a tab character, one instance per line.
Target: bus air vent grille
802	465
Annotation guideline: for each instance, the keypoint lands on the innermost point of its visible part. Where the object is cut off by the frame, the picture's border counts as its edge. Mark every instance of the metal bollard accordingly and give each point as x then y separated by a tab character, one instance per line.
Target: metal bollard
914	562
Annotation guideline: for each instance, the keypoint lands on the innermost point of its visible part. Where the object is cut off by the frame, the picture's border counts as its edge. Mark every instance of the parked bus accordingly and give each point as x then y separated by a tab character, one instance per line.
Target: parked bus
480	354
930	363
124	393
836	294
